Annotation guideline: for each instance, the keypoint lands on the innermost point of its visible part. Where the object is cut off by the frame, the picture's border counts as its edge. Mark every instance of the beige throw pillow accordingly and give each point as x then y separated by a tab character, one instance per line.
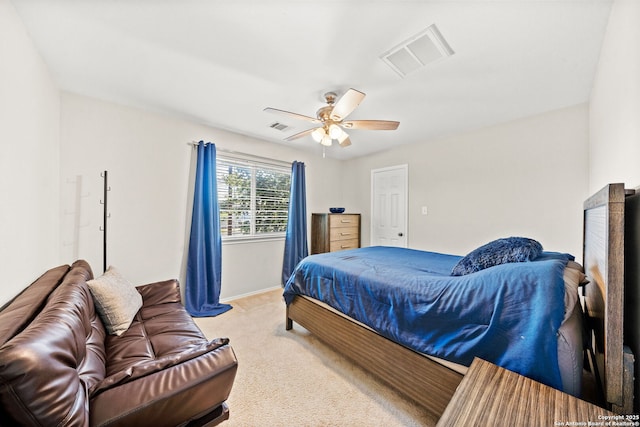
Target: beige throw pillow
116	300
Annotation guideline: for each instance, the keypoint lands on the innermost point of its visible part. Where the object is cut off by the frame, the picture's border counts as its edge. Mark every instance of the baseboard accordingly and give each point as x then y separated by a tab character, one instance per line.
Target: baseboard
249	294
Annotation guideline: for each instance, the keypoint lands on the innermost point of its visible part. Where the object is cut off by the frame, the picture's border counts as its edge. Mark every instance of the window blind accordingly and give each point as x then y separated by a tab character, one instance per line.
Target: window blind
253	197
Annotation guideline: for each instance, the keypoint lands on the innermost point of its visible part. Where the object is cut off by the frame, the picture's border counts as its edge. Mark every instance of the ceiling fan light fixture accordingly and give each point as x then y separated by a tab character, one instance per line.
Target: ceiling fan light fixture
335	131
318	134
326	141
343	137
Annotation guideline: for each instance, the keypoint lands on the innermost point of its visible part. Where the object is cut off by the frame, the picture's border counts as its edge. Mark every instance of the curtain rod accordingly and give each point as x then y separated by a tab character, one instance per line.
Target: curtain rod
245	156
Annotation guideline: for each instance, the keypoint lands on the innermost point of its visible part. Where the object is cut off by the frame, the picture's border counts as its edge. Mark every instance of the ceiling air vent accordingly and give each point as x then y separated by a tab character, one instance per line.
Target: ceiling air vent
279	126
417	51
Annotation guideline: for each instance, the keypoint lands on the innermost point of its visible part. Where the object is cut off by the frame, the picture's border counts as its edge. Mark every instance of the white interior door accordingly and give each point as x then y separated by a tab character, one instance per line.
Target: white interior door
389	188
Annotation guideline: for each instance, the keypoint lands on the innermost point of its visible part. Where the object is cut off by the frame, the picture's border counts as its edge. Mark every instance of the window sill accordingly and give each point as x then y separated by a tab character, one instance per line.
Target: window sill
252	239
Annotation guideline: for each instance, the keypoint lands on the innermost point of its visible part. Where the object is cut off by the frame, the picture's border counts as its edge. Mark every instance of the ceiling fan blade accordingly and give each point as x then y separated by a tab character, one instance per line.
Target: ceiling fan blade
346	142
371	124
300	134
346	104
292	115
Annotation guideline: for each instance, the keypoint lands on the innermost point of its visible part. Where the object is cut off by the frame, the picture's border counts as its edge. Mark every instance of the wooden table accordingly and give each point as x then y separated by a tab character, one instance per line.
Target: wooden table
492	396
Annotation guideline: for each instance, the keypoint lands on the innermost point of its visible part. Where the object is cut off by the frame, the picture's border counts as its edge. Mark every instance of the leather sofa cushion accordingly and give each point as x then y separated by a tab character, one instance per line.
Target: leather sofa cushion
183	391
17	313
161	328
62	349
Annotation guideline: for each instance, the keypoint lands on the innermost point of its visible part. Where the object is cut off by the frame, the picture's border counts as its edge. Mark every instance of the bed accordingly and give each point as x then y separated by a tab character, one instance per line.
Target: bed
428	365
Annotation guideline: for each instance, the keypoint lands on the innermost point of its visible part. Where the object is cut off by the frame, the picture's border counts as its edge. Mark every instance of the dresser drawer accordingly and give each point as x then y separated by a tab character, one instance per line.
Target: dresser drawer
343	233
340	245
334	232
338	221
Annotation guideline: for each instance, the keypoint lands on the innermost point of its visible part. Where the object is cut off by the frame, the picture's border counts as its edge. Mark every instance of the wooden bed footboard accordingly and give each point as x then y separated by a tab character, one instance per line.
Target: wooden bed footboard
420	378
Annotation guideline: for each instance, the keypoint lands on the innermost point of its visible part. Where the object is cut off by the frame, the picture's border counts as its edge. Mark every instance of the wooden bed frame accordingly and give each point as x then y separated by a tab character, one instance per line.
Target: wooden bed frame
604	298
432	384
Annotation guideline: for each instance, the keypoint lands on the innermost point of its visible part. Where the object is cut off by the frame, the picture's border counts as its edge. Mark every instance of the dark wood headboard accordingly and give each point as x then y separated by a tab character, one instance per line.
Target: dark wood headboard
604	263
632	283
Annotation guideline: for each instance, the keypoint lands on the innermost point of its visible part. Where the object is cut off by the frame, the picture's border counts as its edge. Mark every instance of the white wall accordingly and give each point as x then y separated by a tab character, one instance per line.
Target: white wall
614	119
614	115
149	164
29	138
527	177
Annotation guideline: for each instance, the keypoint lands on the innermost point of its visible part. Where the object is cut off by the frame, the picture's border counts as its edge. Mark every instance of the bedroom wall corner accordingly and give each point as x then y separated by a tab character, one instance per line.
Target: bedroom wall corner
29	158
614	108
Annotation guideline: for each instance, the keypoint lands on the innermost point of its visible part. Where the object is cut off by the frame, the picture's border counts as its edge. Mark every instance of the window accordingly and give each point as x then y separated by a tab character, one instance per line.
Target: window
253	197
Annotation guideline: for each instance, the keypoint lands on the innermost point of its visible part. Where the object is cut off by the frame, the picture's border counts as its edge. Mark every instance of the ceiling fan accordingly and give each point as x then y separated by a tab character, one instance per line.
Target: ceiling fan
330	119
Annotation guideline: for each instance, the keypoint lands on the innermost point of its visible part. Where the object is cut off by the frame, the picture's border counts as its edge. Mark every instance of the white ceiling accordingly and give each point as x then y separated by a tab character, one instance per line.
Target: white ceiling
221	63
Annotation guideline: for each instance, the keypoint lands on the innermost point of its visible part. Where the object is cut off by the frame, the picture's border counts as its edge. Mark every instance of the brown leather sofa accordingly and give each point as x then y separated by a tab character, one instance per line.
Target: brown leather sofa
58	366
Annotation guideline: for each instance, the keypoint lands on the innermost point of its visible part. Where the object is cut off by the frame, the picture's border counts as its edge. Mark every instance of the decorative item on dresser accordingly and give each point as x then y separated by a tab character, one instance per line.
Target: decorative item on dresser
331	232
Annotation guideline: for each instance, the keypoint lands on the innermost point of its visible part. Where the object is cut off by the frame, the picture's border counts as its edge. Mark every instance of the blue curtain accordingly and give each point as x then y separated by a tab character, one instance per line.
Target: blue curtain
204	261
295	244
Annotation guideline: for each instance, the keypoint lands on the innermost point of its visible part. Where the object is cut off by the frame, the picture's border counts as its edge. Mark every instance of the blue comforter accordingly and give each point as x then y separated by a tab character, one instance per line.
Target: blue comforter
508	314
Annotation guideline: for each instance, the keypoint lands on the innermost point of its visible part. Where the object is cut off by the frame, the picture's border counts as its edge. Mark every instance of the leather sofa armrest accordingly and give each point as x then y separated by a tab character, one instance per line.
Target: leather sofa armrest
167	291
144	369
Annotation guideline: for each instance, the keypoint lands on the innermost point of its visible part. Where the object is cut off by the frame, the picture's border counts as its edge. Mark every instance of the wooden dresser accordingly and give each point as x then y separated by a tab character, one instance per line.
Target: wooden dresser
334	232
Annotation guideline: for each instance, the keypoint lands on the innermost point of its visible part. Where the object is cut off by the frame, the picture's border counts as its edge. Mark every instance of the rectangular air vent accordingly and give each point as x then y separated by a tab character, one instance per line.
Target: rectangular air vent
417	51
279	126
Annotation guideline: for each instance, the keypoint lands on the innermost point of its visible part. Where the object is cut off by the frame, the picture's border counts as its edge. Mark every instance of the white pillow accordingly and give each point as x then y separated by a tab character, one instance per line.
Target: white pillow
116	300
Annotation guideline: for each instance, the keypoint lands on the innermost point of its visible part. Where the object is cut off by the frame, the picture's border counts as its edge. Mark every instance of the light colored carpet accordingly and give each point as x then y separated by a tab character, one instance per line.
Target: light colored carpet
290	378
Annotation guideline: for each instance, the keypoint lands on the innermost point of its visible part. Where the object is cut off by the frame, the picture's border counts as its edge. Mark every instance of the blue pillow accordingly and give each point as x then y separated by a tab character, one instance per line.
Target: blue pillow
510	249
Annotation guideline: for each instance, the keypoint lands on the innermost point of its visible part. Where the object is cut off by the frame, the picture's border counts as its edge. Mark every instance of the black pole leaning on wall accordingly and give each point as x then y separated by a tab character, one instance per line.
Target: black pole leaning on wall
105	216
